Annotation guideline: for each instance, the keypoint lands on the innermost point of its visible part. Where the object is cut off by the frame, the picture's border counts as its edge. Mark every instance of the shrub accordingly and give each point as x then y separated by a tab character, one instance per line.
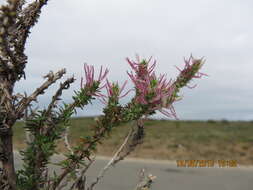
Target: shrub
44	127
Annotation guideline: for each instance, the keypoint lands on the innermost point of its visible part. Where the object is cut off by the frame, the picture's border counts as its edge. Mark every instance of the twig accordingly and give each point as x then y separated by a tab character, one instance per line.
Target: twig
56	97
112	162
133	139
81	181
136	139
52	78
66	140
145	181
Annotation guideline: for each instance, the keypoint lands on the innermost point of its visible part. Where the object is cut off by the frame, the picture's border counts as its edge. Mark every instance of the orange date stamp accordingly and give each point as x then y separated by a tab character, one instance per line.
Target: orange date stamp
207	163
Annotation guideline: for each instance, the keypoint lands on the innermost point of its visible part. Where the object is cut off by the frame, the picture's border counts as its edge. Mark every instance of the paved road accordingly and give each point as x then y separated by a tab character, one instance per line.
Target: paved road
169	177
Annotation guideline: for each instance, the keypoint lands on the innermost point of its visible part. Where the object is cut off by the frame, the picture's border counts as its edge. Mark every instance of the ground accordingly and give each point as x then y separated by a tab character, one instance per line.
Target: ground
172	140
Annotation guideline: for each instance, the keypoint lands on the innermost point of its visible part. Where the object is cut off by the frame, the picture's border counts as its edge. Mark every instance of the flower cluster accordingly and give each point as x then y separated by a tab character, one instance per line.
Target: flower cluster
114	91
91	82
190	71
159	93
151	90
155	93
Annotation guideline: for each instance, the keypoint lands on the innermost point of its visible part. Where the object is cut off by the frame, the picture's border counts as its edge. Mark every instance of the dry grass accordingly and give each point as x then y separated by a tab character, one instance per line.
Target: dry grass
172	140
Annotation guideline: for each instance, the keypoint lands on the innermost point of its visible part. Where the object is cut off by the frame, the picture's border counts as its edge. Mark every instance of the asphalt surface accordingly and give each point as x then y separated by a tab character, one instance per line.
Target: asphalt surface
169	177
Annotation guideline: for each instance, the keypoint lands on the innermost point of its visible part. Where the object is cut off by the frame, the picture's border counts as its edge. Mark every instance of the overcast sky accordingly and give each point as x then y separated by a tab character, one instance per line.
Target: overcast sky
105	32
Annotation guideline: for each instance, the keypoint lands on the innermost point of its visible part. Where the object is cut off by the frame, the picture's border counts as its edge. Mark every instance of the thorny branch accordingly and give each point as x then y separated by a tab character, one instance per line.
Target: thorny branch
80	183
28	18
111	163
145	182
133	138
51	78
56	97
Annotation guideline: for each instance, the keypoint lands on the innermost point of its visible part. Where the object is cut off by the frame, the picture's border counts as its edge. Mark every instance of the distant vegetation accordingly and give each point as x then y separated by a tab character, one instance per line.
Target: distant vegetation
171	140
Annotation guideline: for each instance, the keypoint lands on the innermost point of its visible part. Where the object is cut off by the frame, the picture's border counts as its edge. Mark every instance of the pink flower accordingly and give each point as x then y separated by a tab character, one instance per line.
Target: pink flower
151	90
90	81
114	91
190	71
141	67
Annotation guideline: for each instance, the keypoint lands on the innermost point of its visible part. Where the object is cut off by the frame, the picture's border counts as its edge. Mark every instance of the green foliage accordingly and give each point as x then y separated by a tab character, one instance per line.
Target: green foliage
46	127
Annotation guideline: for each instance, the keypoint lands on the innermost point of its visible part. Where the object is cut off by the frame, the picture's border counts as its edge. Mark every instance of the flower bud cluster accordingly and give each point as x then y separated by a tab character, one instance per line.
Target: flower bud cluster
151	90
154	93
92	84
190	71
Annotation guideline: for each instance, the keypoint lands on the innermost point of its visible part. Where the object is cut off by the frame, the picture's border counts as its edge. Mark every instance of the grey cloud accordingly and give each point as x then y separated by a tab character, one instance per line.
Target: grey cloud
70	33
